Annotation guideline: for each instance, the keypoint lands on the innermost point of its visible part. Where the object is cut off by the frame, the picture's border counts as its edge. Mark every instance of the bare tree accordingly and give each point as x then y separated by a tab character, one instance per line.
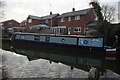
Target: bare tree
108	13
119	11
2	5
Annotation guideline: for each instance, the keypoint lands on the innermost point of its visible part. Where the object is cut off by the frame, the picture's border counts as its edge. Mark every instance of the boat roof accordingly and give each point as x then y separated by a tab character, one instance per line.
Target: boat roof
57	35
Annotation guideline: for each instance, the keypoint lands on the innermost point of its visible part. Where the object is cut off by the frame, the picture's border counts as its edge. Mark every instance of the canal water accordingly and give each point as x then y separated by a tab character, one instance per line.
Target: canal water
18	66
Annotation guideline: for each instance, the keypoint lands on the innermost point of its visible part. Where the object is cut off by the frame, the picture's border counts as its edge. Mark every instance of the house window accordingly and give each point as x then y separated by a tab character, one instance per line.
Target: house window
77	17
30	20
86	29
46	21
10	23
62	19
77	29
69	18
21	24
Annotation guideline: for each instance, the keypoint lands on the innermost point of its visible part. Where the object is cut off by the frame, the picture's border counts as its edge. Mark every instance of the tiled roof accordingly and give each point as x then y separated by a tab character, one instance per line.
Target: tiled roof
9	21
49	16
35	17
44	17
24	21
40	25
75	13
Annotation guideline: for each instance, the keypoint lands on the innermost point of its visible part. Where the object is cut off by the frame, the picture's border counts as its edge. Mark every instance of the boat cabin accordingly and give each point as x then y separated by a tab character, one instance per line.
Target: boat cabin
61	39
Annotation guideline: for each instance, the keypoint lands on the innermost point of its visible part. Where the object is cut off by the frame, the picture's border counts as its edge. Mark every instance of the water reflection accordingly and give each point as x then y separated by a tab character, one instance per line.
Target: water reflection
84	63
18	66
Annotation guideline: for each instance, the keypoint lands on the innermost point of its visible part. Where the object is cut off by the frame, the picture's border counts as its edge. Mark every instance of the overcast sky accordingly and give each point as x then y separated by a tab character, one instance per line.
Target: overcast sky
20	9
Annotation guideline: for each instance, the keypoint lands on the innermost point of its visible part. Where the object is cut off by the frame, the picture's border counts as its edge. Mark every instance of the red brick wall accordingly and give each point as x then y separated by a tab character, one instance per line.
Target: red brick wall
90	16
61	23
49	22
73	23
16	24
77	23
11	23
24	24
55	21
36	22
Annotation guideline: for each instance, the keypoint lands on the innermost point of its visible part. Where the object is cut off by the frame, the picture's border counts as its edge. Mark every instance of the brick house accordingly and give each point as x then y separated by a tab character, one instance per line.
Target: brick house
44	22
24	24
75	21
49	20
9	27
33	20
10	24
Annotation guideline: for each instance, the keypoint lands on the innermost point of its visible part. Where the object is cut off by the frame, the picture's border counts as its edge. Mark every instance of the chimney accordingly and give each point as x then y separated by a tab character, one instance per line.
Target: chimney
73	9
50	13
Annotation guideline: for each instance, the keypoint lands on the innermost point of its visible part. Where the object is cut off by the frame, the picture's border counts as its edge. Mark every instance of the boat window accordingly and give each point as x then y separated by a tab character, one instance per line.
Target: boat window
17	37
37	38
29	37
64	40
25	37
47	39
22	37
42	38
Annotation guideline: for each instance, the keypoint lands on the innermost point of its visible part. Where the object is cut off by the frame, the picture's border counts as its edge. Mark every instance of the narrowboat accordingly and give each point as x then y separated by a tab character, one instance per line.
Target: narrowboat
74	45
66	44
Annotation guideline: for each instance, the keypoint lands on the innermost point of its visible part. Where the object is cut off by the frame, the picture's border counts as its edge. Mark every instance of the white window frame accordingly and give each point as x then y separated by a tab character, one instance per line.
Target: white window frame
29	20
62	19
21	24
78	29
69	18
46	21
77	17
86	29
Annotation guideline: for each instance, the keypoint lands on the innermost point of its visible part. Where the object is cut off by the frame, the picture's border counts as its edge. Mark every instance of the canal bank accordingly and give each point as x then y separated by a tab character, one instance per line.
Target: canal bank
5	43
